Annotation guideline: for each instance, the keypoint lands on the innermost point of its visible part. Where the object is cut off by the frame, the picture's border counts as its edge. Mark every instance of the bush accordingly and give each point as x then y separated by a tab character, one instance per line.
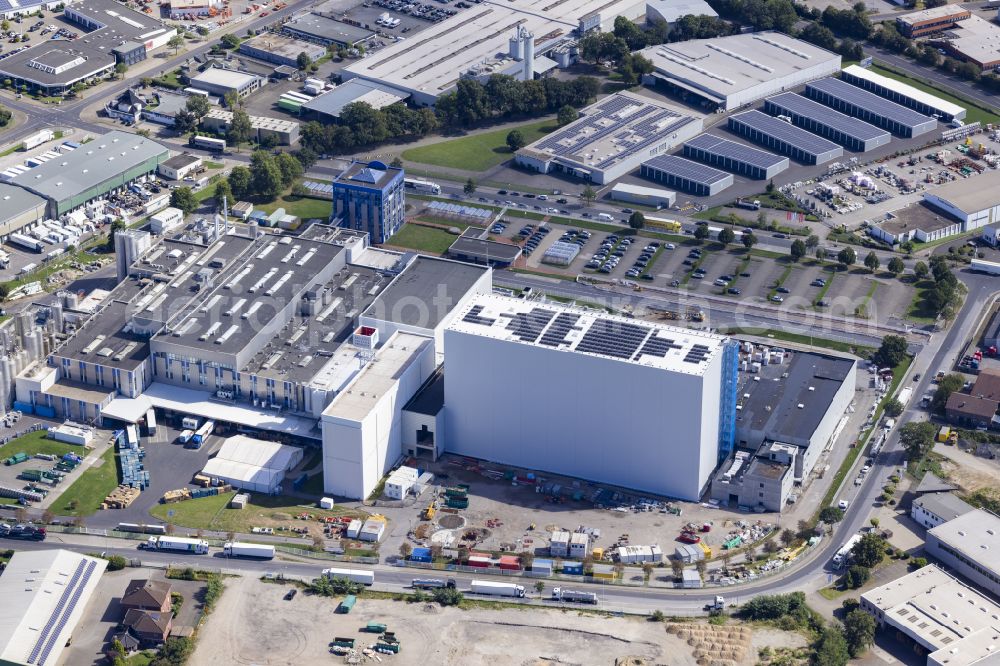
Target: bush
856	576
116	562
213	590
448	596
657	616
918	563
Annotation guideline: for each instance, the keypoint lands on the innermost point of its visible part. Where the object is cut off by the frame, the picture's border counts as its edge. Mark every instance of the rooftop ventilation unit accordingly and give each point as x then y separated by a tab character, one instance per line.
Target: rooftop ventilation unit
211	331
230	332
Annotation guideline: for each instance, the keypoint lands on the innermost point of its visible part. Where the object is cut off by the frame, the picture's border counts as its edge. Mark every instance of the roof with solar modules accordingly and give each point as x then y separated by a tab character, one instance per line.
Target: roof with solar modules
616	130
560	327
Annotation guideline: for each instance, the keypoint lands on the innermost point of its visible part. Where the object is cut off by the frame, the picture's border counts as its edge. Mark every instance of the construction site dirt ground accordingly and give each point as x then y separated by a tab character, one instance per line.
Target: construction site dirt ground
254	624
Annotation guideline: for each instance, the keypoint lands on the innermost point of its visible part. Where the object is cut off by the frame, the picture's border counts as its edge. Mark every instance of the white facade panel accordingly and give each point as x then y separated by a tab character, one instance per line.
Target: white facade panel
549	409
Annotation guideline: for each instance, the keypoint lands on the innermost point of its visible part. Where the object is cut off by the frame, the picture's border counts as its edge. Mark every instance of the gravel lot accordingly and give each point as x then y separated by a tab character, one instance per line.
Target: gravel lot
254	625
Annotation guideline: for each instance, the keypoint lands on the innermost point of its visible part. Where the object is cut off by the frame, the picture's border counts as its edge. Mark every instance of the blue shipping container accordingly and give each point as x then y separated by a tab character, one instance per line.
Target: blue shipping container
421	555
24	407
47	412
575	568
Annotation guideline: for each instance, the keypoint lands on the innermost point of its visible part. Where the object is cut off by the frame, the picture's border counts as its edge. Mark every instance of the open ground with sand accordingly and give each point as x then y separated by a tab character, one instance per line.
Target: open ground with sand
254	624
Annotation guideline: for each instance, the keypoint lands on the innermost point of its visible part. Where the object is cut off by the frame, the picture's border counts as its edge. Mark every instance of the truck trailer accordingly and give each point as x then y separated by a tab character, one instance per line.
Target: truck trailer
497	589
179	544
255	550
353	575
559	594
432	583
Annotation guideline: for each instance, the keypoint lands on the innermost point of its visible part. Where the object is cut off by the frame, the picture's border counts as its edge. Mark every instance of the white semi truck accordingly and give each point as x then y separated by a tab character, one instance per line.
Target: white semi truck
497	589
256	550
353	575
180	544
559	594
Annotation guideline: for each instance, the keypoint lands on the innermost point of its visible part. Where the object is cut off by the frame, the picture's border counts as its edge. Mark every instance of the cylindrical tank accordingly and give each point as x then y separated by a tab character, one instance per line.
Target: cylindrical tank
515	46
529	55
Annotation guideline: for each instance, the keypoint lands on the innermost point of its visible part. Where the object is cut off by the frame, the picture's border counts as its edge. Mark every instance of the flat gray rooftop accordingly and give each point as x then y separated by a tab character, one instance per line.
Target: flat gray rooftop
773	405
104	339
303	346
327	29
425	292
375	94
15	201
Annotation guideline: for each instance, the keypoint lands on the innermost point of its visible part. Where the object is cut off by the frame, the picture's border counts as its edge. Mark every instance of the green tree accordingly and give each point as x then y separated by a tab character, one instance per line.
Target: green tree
856	576
448	596
893	408
266	175
701	232
896	266
120	69
588	194
240	129
567	114
920	270
5	25
726	236
470	187
515	140
831	514
183	199
831	649
290	168
231	99
847	257
749	240
230	41
636	220
869	551
185	121
223	191
859	632
240	180
176	42
787	537
949	384
812	241
821	254
891	352
116	562
302	60
198	105
917	438
798	249
871	262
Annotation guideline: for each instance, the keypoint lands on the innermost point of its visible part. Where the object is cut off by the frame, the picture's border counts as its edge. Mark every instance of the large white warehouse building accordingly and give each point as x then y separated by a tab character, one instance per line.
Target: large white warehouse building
728	72
589	395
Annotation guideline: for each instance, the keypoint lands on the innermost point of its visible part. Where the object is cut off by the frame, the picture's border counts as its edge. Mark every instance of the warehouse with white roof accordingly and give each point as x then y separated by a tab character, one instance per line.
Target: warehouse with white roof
44	595
902	93
528	384
728	72
253	464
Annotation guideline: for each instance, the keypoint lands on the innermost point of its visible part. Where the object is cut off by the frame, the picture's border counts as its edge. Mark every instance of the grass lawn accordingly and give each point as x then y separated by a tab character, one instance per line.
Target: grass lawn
37	442
835	345
90	488
918	310
476	152
831	593
974	113
305	208
141	658
426	239
214	512
929	463
213	165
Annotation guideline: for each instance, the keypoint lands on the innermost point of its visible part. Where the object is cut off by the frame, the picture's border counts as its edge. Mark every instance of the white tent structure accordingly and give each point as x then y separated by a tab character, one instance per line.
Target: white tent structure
253	464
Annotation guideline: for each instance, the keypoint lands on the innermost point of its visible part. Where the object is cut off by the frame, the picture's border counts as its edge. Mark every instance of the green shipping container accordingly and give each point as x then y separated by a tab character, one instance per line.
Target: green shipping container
347	604
458	503
391	647
343	642
15	459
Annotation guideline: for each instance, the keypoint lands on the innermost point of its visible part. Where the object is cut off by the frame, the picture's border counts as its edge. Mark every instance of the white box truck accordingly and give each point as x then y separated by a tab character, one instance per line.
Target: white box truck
559	594
353	575
497	589
180	544
256	550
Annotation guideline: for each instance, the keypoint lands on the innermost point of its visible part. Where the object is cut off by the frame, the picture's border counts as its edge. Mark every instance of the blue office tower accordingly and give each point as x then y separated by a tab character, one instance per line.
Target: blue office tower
369	197
727	399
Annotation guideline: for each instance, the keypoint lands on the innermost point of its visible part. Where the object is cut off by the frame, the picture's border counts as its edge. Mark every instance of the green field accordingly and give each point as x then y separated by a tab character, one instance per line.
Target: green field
90	488
974	112
919	311
37	442
476	152
425	239
214	513
304	208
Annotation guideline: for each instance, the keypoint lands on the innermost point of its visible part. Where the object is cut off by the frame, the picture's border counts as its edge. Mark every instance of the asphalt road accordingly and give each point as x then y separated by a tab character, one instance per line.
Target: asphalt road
933	75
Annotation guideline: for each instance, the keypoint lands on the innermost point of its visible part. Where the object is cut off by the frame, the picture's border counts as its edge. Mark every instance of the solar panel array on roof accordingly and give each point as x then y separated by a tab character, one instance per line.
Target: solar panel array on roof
527	326
473	316
735	151
657	346
784	137
612	338
686	169
854	127
868	106
696	354
556	334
